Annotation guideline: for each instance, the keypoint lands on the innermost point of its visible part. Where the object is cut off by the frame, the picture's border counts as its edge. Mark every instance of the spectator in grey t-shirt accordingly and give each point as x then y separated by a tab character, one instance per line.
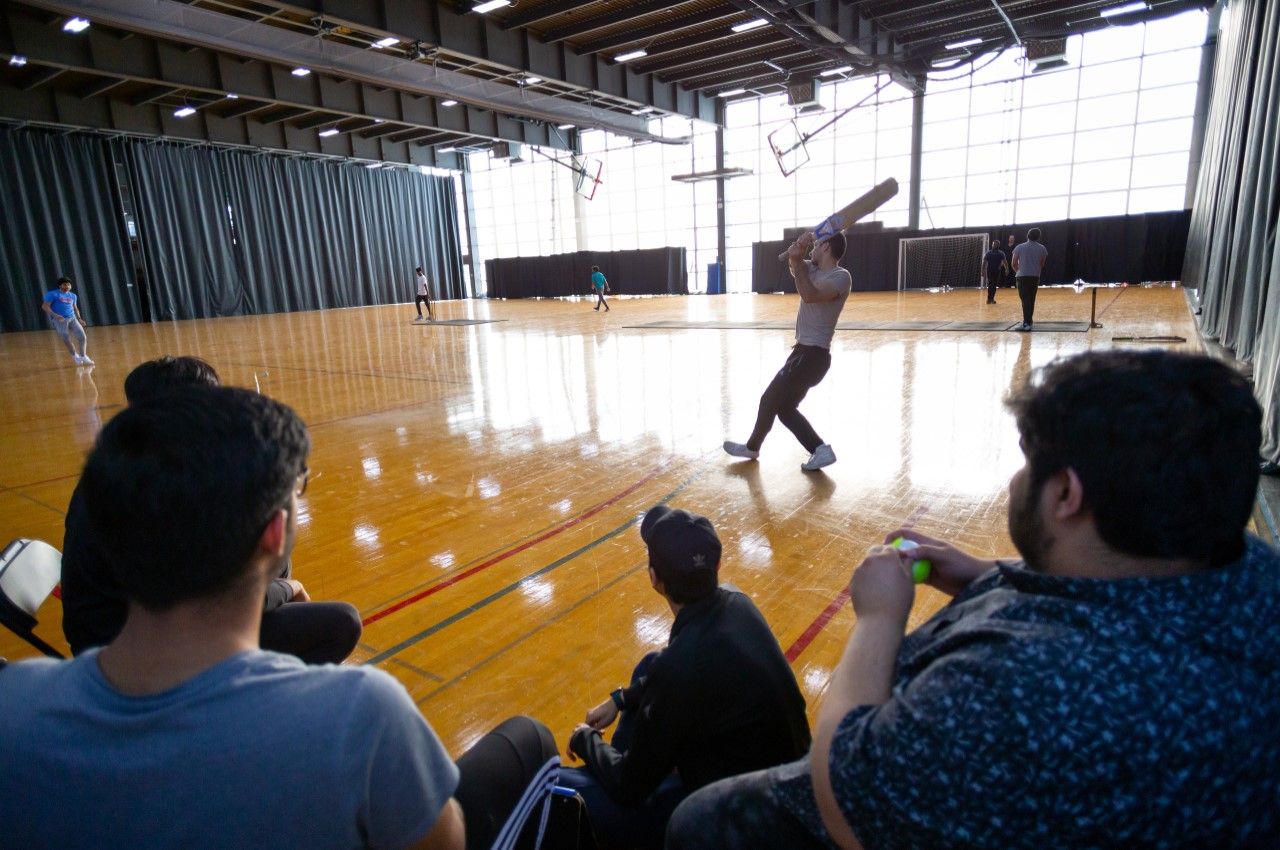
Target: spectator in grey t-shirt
823	287
1028	262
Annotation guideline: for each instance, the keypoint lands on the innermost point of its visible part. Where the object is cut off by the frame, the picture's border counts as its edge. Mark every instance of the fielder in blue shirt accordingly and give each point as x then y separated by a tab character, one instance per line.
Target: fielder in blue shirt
63	309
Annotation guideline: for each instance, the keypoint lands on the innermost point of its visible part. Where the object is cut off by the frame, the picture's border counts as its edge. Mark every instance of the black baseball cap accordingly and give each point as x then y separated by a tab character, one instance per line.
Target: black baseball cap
684	551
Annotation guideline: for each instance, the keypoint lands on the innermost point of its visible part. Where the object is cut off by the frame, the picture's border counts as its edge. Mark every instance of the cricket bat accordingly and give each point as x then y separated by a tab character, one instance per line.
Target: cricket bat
842	220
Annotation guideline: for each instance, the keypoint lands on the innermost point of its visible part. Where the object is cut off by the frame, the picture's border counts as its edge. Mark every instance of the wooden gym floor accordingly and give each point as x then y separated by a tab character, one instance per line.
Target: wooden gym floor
475	488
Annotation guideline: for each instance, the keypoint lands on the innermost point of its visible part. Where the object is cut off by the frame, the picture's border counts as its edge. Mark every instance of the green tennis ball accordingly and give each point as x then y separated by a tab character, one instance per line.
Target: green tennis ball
921	567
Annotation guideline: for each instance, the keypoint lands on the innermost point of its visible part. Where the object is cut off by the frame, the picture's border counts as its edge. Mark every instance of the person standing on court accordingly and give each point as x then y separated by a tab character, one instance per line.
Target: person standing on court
1028	262
720	699
63	309
993	263
1008	258
823	287
424	295
601	286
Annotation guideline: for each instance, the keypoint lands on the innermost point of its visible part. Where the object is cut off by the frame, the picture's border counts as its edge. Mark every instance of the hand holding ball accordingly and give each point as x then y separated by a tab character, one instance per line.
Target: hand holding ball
920	568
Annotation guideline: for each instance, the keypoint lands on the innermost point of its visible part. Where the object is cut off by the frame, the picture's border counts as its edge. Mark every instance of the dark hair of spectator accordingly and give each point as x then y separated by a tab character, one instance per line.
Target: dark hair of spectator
595	268
179	489
166	373
1034	234
62	280
1165	445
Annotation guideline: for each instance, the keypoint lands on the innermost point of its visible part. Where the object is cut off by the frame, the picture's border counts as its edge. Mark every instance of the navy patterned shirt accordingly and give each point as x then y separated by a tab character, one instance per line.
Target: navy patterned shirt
1036	711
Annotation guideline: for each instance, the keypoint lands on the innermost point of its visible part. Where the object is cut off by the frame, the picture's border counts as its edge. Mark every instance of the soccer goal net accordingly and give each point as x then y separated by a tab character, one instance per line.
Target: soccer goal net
937	262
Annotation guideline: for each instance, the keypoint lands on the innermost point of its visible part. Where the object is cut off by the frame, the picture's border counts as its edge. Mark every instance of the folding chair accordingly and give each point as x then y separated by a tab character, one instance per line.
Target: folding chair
529	817
29	571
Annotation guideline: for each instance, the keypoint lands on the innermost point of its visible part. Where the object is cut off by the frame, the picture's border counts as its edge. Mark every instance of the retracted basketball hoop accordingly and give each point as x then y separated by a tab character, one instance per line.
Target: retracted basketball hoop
788	143
586	171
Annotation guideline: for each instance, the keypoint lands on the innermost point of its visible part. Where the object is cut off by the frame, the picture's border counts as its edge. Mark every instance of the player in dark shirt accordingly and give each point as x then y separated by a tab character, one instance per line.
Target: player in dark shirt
993	263
719	700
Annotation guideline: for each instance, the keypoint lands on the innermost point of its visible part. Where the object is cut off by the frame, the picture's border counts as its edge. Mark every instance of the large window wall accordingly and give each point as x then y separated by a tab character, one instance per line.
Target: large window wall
869	144
530	209
1108	135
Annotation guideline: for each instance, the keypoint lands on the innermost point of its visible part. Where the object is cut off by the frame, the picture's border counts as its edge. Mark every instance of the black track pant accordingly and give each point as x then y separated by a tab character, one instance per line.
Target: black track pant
496	774
1027	295
419	301
316	632
804	369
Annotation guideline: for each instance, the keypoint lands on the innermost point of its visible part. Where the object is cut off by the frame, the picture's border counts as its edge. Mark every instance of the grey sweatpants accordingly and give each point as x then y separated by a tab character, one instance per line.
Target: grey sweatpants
72	335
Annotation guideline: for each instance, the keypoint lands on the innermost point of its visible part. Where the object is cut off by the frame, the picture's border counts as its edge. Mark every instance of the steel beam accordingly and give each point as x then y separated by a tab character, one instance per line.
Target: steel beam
608	19
613	42
38	77
170	20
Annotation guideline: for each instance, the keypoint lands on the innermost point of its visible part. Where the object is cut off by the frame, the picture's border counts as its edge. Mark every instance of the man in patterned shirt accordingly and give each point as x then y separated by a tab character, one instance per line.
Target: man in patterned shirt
1118	687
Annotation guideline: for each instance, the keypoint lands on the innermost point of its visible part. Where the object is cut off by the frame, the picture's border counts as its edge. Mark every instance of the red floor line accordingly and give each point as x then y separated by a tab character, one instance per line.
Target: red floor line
816	627
820	623
454	579
1113	300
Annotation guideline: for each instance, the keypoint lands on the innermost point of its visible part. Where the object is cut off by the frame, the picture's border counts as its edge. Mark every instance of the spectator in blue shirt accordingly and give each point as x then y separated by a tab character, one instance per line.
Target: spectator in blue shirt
1118	687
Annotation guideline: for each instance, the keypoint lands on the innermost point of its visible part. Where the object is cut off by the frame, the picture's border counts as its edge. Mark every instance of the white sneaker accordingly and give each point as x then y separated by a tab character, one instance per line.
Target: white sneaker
85	361
822	456
740	450
419	321
76	357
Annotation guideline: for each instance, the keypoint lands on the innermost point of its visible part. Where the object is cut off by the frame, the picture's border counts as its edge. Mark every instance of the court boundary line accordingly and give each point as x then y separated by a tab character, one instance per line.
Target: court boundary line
518	548
498	594
833	607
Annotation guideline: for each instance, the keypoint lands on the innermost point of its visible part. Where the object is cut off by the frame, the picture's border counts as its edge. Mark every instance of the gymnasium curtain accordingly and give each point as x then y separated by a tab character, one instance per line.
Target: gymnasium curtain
59	215
647	271
1232	253
230	233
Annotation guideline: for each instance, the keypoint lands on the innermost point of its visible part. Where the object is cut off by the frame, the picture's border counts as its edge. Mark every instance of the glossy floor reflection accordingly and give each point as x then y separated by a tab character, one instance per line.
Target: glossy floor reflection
475	489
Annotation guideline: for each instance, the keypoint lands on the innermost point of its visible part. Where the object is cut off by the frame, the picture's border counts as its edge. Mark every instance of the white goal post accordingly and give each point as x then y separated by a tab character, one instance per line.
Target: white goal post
941	262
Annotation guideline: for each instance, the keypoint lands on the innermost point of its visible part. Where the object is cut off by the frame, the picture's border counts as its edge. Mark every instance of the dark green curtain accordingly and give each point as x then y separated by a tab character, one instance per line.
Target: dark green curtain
1232	254
229	232
59	214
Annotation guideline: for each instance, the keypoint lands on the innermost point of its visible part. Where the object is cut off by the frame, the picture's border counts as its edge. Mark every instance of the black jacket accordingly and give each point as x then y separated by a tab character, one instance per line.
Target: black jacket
720	700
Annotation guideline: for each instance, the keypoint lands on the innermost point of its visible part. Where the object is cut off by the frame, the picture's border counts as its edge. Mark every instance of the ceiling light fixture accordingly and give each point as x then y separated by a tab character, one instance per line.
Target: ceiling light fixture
831	72
232	96
374	165
300	72
17	61
1123	10
731	92
332	131
644	110
76	25
489	6
389	41
564	126
627	57
529	80
448	103
379	120
748	26
446	150
968	42
184	112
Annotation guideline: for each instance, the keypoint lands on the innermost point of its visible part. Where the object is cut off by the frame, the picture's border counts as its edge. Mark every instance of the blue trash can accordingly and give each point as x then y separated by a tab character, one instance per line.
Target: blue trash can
715	279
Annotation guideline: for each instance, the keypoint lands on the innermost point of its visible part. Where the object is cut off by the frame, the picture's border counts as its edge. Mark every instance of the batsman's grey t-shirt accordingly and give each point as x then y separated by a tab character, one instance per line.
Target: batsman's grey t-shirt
1031	256
257	751
816	323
